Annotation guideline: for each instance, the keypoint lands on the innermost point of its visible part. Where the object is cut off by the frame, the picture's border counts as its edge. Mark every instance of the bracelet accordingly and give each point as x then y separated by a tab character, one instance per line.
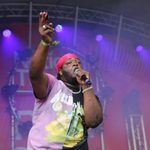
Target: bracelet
45	43
89	88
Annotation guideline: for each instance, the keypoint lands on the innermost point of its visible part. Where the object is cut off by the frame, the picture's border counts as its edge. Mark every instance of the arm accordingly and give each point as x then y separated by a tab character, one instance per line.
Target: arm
92	106
38	78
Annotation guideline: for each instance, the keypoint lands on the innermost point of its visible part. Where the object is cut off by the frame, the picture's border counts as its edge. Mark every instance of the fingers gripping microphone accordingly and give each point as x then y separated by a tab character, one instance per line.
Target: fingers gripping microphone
83	77
86	80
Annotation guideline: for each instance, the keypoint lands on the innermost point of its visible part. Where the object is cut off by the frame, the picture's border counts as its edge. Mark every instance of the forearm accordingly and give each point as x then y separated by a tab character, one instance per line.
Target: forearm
38	78
38	61
92	109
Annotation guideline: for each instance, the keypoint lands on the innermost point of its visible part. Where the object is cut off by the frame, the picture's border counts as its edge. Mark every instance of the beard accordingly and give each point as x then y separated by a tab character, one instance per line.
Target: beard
69	77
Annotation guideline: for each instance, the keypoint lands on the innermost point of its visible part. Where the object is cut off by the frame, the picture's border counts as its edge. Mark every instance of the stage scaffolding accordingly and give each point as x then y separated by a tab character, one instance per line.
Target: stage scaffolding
136	132
29	12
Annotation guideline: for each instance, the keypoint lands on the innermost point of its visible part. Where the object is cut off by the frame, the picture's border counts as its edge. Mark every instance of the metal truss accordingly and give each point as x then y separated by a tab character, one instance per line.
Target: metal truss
22	10
136	132
29	12
14	10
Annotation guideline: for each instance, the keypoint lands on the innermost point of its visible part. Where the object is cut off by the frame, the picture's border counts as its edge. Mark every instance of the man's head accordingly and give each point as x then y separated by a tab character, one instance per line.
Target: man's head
66	67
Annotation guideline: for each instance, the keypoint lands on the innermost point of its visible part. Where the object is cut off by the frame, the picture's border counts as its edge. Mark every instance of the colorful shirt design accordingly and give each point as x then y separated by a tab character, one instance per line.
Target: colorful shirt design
76	130
58	120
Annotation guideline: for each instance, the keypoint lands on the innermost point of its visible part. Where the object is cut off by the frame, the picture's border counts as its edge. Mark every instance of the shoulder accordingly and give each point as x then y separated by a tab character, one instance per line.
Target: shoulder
53	81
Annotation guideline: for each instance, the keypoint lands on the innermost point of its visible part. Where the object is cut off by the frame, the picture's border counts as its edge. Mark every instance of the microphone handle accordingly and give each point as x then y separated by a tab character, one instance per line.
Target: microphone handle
86	80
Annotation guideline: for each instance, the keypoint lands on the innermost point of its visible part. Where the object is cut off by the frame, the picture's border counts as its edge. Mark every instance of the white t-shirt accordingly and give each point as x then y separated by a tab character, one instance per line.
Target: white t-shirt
57	120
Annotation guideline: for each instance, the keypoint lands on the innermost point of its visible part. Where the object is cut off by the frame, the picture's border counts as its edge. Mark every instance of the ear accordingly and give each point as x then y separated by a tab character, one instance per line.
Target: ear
60	72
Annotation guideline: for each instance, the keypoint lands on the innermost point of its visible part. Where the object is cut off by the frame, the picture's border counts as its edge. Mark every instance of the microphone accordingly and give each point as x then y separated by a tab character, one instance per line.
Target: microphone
83	77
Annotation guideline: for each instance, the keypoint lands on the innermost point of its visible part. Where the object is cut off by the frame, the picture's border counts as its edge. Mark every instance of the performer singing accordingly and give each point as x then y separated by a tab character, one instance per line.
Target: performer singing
66	106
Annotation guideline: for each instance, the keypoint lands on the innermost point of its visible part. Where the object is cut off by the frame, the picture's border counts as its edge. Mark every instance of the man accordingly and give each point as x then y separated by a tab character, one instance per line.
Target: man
65	106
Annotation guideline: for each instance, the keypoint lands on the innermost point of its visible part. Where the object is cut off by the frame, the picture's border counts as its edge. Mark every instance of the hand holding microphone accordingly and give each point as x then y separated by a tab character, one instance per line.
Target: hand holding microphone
82	76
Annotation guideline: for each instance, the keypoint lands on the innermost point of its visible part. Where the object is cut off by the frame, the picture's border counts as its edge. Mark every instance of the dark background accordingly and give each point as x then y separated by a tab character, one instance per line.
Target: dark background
135	9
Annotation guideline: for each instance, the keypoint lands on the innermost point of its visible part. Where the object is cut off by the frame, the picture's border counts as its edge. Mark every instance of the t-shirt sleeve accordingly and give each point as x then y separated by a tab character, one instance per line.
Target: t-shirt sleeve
51	82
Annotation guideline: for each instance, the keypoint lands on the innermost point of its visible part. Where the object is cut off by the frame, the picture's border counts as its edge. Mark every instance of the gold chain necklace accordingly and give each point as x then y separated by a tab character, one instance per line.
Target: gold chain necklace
72	90
75	92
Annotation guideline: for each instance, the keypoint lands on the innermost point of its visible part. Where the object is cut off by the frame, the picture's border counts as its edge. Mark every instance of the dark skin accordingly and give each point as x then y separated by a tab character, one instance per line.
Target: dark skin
39	80
67	72
92	108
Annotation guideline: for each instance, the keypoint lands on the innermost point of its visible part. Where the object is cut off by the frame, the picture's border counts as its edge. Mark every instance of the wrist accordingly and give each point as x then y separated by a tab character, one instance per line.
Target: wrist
87	89
44	43
84	86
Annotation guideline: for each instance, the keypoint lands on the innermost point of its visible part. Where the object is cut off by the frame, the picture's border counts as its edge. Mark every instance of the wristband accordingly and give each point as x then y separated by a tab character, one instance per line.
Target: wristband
89	88
45	43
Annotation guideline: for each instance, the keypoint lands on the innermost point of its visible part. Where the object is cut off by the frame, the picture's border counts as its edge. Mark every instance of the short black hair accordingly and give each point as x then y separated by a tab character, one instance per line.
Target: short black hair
58	76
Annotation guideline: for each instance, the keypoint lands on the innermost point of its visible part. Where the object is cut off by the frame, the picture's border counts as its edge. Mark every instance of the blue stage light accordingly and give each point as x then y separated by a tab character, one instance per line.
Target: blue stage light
6	33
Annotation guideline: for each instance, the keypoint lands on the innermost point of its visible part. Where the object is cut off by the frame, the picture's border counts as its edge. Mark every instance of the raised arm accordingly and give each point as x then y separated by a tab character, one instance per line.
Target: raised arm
38	78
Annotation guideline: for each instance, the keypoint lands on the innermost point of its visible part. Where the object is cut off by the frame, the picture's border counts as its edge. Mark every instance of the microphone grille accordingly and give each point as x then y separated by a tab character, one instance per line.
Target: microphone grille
76	71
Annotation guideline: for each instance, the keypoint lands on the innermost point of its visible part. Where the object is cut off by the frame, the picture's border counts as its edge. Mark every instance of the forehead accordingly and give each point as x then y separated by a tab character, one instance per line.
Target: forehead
72	59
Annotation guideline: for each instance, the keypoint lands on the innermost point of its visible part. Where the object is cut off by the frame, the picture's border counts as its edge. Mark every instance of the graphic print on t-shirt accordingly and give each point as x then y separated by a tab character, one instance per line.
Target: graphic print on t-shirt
68	125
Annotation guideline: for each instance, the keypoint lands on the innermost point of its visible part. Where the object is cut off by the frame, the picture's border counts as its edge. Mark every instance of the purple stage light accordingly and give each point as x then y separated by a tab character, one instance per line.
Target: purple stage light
139	48
59	28
99	37
6	33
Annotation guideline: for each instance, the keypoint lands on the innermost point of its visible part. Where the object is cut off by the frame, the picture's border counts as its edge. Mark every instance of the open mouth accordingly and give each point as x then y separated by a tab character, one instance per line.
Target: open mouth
76	69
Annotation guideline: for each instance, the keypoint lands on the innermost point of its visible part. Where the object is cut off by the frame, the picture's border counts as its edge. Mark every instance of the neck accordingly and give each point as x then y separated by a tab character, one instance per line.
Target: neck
73	87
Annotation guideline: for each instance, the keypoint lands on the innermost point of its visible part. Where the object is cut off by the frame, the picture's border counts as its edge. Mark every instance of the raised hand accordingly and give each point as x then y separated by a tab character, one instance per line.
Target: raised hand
46	29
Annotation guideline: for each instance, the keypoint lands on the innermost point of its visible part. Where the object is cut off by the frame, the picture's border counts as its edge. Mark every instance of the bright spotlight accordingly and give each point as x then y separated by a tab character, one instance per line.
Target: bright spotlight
139	48
6	33
59	28
99	37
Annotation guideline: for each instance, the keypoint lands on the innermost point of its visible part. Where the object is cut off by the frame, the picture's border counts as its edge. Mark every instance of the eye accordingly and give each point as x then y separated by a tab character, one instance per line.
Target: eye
68	62
79	62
